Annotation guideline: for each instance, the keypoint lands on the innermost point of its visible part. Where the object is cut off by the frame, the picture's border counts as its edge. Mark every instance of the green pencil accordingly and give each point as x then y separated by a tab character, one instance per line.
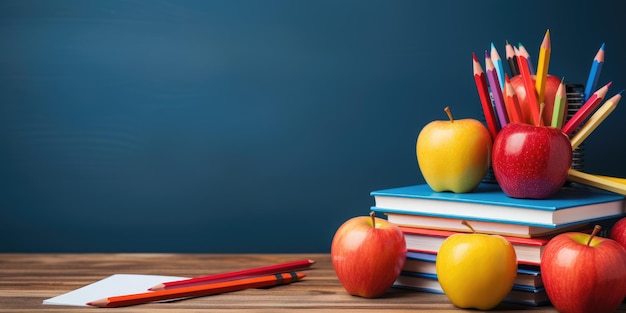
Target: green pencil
560	103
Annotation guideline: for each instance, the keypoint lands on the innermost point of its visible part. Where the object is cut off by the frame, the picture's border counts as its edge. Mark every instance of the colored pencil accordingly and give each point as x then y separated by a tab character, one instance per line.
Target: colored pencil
511	58
543	63
197	291
585	110
594	73
497	62
596	181
529	87
253	272
560	105
595	120
615	179
524	52
511	101
496	91
485	100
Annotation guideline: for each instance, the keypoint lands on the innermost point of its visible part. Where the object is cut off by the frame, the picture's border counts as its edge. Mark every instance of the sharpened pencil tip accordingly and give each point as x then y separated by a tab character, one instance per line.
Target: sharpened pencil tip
156	287
311	261
99	303
602	47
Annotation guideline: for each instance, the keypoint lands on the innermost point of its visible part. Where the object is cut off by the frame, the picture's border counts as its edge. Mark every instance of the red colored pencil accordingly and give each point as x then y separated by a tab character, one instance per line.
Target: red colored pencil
529	86
197	291
485	100
265	270
512	103
581	115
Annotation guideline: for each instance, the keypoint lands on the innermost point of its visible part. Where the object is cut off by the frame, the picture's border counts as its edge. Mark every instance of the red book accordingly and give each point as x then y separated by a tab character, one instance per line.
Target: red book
528	250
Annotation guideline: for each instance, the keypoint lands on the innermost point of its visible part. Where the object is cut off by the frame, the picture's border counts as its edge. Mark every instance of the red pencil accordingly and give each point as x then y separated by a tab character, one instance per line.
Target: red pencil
485	100
266	270
197	291
529	86
581	115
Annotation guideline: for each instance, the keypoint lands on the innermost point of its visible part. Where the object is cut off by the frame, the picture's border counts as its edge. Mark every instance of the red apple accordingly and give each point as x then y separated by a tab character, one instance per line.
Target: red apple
531	161
618	232
584	273
368	254
552	85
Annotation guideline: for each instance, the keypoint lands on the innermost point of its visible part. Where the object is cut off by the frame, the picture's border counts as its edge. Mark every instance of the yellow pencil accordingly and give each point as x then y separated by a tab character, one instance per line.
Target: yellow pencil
596	181
595	120
542	67
615	179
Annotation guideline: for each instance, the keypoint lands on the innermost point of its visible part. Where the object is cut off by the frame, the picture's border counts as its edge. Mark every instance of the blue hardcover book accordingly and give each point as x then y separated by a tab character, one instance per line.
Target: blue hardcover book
528	276
571	205
428	283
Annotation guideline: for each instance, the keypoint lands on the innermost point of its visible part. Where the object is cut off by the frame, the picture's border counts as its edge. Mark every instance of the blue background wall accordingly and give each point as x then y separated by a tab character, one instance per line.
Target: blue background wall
248	126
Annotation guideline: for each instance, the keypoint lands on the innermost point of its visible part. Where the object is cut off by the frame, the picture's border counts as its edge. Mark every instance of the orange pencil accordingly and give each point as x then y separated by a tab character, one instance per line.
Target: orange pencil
485	100
259	271
529	86
512	103
197	291
579	117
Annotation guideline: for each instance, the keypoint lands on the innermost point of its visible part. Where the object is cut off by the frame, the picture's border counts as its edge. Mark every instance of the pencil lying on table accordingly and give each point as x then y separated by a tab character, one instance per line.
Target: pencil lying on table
265	270
197	291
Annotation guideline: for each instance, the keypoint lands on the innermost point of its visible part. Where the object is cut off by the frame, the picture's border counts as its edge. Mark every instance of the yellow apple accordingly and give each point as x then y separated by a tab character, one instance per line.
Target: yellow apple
453	155
476	270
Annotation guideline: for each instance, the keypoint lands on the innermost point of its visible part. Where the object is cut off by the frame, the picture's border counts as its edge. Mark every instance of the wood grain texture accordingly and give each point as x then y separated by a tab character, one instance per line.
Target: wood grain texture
27	279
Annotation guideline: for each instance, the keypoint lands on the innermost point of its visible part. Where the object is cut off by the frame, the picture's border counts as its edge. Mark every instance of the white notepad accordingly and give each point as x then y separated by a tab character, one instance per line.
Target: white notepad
114	285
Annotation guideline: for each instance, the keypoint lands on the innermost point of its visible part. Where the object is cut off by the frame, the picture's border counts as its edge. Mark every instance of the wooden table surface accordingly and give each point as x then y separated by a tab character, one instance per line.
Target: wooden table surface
27	279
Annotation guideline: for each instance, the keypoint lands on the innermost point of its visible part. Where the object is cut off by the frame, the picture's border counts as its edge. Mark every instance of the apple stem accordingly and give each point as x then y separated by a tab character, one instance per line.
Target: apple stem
373	216
541	109
466	223
595	231
447	110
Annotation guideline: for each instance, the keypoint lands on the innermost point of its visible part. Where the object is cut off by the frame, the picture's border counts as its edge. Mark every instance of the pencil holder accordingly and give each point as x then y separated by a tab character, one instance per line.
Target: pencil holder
575	100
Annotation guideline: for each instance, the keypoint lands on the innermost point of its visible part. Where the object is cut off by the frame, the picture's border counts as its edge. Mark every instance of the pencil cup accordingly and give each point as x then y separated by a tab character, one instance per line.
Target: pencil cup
490	177
575	100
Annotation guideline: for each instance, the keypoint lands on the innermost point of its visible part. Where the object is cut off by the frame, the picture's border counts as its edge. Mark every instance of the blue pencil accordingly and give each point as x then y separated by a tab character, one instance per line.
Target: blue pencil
594	73
497	62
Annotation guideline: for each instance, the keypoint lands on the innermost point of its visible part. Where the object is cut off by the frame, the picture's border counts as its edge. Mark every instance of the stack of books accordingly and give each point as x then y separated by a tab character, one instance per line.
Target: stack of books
427	218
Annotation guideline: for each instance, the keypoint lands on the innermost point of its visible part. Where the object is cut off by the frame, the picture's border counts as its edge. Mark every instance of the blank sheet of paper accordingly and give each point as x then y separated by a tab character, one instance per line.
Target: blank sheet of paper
114	285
